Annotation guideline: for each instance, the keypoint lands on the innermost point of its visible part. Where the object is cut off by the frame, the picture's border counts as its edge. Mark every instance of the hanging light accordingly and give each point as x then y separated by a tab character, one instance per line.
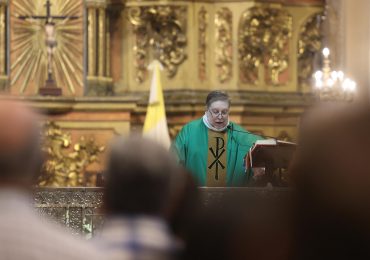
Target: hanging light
331	85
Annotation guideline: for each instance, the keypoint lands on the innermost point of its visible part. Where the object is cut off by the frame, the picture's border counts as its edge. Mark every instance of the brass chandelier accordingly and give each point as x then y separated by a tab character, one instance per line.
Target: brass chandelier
331	85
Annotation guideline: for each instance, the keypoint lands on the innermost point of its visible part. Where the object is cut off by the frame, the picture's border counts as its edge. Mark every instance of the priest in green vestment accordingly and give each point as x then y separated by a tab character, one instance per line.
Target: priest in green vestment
212	148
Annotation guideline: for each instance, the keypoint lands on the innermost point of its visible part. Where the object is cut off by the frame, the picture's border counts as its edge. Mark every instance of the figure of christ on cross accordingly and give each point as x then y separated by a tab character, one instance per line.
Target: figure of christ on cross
50	87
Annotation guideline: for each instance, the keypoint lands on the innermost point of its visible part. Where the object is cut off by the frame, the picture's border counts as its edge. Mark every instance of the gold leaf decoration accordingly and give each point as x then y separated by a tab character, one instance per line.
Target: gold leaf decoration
66	162
163	28
264	34
284	136
29	58
224	46
309	44
202	42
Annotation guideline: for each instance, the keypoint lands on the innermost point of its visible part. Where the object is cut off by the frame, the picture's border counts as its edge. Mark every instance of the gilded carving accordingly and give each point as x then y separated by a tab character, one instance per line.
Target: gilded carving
284	136
66	162
224	47
309	44
264	34
140	30
163	30
202	42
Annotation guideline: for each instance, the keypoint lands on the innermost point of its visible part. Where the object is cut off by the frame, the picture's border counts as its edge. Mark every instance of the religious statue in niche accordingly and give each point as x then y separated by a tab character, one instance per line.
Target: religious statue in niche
50	87
50	42
46	46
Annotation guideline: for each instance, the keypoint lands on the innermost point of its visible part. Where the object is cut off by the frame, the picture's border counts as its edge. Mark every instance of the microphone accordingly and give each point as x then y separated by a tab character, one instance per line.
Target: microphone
231	127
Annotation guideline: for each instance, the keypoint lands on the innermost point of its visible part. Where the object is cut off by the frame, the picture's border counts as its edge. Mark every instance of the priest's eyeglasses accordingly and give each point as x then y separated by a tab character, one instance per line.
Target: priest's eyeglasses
215	113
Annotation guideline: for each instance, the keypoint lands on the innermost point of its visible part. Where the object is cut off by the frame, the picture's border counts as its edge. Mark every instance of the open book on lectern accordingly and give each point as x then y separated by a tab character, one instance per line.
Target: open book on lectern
270	153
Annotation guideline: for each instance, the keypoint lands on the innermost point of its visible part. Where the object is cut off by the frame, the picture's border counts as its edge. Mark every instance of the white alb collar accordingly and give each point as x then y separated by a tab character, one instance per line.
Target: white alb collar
209	126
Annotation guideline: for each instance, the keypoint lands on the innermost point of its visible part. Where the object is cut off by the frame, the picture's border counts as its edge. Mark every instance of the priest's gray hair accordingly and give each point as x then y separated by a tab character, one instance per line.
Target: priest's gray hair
217	95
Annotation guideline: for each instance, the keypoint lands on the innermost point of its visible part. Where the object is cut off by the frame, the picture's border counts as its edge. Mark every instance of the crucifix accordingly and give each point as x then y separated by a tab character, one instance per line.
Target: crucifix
50	87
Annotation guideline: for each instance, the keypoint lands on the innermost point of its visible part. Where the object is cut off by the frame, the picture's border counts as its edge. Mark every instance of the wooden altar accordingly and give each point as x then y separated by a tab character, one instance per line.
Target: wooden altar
79	209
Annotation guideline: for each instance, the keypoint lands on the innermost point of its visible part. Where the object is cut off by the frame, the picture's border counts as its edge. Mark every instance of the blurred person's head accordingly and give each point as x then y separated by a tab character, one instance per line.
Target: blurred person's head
138	178
331	174
185	204
20	150
332	157
217	109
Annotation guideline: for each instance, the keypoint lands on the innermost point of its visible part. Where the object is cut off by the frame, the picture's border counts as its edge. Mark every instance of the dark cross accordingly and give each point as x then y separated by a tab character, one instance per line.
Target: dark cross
50	87
48	18
217	155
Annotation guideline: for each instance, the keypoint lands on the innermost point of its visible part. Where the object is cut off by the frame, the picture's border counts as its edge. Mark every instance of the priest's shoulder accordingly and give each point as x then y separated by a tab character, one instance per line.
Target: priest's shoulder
237	127
242	132
193	125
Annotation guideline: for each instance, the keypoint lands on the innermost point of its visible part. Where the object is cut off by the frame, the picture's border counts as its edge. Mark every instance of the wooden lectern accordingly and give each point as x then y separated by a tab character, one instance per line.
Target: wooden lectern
272	155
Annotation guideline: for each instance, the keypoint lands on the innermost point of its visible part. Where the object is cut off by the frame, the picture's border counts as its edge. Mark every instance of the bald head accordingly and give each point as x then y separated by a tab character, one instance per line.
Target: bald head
19	141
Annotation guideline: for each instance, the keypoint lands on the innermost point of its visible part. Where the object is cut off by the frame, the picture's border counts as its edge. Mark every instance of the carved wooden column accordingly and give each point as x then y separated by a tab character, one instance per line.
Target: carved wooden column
3	44
98	76
107	48
91	41
101	42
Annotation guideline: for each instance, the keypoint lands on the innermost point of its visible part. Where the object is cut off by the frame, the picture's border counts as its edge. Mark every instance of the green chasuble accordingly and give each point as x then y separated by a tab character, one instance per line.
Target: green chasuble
192	149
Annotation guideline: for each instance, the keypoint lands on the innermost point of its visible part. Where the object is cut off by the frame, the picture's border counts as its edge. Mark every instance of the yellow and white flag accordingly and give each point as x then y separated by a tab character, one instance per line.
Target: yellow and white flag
155	125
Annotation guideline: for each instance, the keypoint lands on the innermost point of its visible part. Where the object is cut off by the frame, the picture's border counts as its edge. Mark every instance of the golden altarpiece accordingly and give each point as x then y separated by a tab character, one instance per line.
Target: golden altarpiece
97	52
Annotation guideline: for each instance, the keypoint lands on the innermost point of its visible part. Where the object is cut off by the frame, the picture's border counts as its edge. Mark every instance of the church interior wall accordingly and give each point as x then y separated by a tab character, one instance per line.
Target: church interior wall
200	44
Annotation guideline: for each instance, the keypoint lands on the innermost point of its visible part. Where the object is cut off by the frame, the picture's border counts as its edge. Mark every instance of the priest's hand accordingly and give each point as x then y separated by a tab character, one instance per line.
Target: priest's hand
258	173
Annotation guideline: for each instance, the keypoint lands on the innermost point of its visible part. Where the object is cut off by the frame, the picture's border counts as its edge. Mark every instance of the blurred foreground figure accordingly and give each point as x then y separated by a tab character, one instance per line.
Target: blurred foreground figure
24	234
331	173
242	225
138	190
